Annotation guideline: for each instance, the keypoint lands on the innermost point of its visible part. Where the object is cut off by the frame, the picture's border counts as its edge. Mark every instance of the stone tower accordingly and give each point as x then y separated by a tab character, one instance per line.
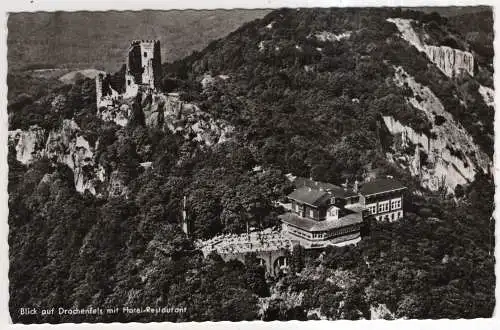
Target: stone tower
143	66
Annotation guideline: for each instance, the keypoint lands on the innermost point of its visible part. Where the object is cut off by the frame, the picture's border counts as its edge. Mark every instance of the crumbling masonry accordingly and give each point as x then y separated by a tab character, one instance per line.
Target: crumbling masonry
143	66
142	73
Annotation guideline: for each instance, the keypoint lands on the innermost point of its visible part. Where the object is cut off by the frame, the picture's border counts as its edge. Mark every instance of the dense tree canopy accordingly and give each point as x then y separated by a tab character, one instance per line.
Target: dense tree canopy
298	105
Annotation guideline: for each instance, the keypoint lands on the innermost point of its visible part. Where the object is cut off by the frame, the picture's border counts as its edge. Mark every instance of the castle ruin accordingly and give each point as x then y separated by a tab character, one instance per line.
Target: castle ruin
142	74
143	66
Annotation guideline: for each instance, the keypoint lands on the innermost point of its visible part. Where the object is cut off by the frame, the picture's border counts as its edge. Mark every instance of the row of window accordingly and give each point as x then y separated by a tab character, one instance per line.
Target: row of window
332	233
391	216
372	209
318	235
296	208
396	204
383	207
386	206
298	232
344	231
381	196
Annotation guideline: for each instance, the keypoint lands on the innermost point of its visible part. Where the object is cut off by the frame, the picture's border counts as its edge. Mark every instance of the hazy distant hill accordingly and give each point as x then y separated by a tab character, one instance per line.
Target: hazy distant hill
99	40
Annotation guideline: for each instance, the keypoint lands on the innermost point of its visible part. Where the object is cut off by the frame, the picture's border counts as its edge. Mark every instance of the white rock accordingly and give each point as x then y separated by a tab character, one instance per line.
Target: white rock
329	36
488	95
261	46
449	60
207	81
27	143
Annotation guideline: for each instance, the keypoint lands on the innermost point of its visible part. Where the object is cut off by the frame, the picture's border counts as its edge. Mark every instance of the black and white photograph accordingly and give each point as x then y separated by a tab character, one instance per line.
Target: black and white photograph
295	163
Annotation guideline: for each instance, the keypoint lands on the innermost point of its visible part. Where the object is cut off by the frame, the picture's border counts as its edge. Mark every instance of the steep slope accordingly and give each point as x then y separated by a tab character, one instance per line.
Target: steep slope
449	60
328	72
451	154
315	92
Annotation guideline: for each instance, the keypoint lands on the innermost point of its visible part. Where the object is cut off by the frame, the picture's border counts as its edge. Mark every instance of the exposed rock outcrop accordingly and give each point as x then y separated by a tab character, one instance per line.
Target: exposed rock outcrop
452	156
169	112
449	60
329	36
381	311
442	168
65	145
119	113
116	186
488	95
27	143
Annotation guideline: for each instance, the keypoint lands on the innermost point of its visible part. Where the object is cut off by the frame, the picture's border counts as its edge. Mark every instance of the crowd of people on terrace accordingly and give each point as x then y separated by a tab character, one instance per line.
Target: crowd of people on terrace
259	241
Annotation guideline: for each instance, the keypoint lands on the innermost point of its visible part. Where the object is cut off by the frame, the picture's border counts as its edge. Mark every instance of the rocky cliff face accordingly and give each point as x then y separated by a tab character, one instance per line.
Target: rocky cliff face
169	112
441	169
488	95
119	114
65	145
329	36
381	312
452	156
27	143
449	60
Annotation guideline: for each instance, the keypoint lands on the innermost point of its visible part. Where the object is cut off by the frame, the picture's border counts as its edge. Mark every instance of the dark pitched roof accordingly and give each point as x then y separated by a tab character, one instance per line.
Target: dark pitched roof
309	196
313	225
336	191
378	186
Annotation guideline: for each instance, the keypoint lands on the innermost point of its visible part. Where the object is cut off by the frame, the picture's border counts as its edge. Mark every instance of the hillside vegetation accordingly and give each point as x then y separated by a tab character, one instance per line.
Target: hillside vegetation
304	90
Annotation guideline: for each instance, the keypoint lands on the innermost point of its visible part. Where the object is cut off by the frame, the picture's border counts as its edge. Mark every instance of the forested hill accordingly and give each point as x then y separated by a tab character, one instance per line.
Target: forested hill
95	203
304	68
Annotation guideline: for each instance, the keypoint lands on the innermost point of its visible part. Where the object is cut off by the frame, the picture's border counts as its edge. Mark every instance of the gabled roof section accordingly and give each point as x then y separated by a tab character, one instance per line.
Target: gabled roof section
309	196
379	186
338	192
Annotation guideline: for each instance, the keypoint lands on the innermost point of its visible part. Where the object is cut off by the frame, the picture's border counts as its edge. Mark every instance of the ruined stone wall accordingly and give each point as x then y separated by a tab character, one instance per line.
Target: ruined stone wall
143	66
131	86
143	72
157	64
151	62
134	62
